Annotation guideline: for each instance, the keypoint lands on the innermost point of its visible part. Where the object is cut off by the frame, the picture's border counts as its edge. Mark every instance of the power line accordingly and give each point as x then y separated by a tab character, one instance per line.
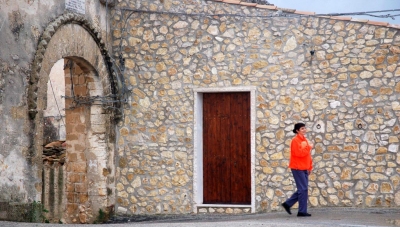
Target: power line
383	16
362	13
277	14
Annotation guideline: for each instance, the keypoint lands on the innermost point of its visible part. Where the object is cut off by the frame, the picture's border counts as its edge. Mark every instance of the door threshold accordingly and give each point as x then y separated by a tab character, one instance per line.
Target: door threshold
224	205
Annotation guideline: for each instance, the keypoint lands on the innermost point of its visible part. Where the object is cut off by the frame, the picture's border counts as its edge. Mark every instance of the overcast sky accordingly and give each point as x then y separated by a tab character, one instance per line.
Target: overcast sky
343	6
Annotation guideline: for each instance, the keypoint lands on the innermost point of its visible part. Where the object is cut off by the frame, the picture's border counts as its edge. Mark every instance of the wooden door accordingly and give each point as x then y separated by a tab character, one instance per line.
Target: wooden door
226	148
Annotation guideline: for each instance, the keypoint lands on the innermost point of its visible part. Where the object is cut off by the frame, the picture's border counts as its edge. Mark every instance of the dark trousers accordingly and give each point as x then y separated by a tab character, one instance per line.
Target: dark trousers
301	195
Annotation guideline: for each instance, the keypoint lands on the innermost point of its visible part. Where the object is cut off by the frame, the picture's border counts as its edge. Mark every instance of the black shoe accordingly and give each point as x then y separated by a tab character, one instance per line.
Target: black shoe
287	208
300	214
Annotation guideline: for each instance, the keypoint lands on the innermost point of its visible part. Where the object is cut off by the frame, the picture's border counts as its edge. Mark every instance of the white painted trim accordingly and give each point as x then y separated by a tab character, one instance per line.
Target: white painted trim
198	144
198	151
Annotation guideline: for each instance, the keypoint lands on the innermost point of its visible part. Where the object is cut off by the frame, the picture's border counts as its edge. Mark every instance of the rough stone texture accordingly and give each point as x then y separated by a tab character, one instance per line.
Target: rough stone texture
90	153
347	92
348	88
25	61
223	210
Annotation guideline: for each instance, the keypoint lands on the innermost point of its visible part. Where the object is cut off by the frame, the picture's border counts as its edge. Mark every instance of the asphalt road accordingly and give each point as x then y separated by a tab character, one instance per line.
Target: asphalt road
341	217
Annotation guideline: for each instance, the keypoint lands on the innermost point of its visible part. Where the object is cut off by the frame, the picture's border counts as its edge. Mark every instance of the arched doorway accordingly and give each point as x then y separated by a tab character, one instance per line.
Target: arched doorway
88	172
54	141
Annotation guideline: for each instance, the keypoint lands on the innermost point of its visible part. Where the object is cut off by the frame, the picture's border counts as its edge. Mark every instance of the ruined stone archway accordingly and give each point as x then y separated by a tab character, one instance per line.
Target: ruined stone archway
90	155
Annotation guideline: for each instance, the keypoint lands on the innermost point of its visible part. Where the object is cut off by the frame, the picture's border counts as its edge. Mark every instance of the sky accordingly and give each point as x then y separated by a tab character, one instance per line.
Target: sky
344	6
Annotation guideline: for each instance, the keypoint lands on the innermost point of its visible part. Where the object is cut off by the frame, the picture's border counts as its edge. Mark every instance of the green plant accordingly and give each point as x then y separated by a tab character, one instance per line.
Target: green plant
101	217
37	213
104	215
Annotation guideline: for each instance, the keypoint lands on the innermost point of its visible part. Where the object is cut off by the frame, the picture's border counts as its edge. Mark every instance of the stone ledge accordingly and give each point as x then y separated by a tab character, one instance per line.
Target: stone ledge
231	209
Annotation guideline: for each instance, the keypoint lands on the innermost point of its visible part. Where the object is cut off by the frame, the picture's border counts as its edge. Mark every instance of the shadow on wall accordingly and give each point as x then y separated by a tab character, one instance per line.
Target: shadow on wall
22	212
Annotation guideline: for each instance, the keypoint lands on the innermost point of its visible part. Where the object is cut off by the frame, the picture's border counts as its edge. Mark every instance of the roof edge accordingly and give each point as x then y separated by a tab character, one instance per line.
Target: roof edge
305	13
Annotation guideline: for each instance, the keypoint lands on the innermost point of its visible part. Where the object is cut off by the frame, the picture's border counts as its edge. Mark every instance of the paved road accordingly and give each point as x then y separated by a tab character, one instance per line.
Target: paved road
341	217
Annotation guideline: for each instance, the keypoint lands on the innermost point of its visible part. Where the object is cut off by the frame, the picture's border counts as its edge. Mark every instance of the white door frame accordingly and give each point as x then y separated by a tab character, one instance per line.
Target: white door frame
198	145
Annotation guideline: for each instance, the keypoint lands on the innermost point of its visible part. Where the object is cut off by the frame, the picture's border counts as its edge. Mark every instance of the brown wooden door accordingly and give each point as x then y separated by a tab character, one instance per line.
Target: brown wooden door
226	148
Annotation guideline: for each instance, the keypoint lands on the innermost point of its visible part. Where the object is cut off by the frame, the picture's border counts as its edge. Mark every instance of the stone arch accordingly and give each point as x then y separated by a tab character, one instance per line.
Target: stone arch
43	45
89	178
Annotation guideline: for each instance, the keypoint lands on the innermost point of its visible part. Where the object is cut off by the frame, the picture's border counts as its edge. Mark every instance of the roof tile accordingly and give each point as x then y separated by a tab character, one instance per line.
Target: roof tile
359	20
287	10
378	23
266	6
394	26
263	4
248	3
304	12
341	18
232	1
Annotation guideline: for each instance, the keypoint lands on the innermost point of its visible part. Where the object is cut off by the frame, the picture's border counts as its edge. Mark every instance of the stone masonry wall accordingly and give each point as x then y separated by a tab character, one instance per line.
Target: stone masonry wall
347	93
22	24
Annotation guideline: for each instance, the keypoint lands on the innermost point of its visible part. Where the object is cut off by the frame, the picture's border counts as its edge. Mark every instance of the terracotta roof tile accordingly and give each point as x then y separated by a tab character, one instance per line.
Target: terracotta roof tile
232	1
394	26
248	3
259	2
287	10
378	23
359	20
304	12
266	6
341	18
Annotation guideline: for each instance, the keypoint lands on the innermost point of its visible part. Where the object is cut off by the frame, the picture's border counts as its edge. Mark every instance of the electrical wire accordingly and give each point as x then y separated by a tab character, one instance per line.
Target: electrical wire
107	22
279	14
116	70
2	24
107	41
79	100
70	64
55	99
274	15
124	29
360	13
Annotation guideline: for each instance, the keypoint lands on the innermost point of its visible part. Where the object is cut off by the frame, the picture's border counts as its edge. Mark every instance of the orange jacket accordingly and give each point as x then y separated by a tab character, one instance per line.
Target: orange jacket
300	156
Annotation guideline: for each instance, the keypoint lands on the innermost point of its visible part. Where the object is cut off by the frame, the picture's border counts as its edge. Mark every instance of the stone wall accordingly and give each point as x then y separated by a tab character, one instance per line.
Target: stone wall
341	78
25	37
346	92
